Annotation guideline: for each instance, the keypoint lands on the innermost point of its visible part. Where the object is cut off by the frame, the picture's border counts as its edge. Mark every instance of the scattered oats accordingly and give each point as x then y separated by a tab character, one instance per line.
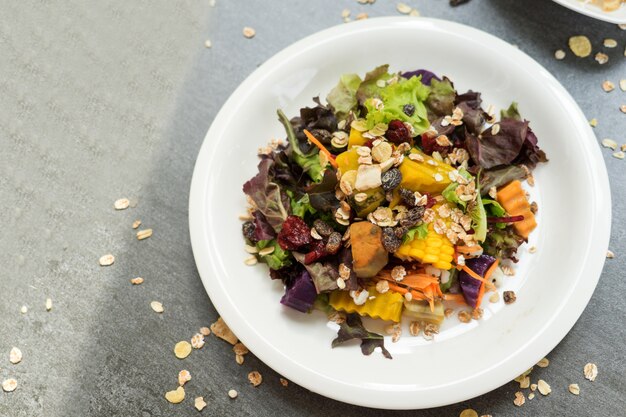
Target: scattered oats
361	16
136	223
284	382
464	316
533	387
430	330
494	298
415	328
609	143
574	389
448	312
591	371
176	396
622	108
619	155
509	297
408	296
543	387
532	249
207	44
144	234
341	283
345	13
396	333
622	26
251	261
593	122
477	313
121	204
414	13
240	349
608	86
525	382
106	260
24	310
136	281
183	377
197	341
559	54
266	251
543	363
232	394
468	412
382	286
610	43
438	177
239	359
580	46
249	32
255	378
182	349
495	129
602	58
623	147
610	254
519	399
398	273
15	356
221	330
403	8
199	403
507	270
48	304
531	395
9	385
156	306
622	84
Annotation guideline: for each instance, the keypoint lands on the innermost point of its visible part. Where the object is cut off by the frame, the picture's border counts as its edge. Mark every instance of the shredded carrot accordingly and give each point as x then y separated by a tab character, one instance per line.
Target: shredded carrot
476	276
416	295
314	141
454	297
481	291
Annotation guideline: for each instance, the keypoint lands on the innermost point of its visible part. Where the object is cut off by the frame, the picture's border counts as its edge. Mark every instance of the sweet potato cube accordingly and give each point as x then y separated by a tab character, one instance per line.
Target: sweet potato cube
368	254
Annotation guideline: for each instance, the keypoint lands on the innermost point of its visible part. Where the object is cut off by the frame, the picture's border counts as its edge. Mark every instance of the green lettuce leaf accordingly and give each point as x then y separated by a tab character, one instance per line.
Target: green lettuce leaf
342	98
300	207
494	209
449	193
353	328
279	258
368	88
479	217
511	113
416	232
453	278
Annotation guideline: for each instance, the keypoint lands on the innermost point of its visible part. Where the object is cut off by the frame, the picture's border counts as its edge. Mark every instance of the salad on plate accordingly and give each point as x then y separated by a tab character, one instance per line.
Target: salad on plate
396	200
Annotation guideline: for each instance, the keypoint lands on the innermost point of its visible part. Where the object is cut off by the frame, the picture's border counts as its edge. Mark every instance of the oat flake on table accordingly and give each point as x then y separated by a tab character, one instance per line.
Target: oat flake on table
591	371
199	403
9	385
157	307
15	356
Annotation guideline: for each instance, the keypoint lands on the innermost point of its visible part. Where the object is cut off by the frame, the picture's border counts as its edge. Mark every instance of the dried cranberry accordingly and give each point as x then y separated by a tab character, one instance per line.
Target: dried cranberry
430	201
430	145
318	250
295	233
398	133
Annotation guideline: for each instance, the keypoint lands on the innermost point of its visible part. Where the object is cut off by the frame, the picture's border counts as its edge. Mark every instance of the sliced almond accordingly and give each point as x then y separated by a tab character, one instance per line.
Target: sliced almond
157	306
543	387
136	281
121	204
591	371
574	389
144	234
106	260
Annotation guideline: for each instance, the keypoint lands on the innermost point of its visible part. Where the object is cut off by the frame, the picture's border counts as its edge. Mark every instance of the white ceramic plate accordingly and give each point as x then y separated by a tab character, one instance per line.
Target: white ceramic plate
553	285
589	9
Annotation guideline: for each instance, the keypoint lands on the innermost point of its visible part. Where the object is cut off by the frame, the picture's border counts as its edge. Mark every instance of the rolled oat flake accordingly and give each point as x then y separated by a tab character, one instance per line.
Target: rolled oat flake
580	46
9	385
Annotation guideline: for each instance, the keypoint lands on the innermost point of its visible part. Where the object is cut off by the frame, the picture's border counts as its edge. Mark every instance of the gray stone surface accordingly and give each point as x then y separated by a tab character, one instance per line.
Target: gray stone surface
111	99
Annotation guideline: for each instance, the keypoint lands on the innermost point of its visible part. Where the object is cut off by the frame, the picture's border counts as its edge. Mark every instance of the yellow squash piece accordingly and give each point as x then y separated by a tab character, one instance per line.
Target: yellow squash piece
435	249
429	176
387	306
356	138
348	161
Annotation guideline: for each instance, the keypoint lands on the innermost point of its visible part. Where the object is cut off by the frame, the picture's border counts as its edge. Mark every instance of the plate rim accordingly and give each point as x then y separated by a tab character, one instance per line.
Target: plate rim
578	298
593	13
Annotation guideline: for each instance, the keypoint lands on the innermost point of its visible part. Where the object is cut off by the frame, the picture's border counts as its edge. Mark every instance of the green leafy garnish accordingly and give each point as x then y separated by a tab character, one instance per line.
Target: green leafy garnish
342	98
511	113
353	328
278	258
309	162
416	232
300	207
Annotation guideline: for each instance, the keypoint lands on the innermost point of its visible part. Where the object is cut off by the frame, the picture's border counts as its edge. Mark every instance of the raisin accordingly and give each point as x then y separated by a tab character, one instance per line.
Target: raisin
509	297
408	109
323	135
390	241
400	231
412	216
391	179
398	133
295	233
323	228
248	229
408	197
318	250
334	243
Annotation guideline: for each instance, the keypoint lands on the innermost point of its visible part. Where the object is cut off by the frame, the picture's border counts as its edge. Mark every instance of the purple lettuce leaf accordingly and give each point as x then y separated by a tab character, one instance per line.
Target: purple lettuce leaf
490	150
470	287
427	76
353	328
270	200
323	274
300	294
262	229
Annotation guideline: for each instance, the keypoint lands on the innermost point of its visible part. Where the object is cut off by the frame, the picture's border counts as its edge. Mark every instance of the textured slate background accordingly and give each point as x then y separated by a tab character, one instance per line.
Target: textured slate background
111	99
